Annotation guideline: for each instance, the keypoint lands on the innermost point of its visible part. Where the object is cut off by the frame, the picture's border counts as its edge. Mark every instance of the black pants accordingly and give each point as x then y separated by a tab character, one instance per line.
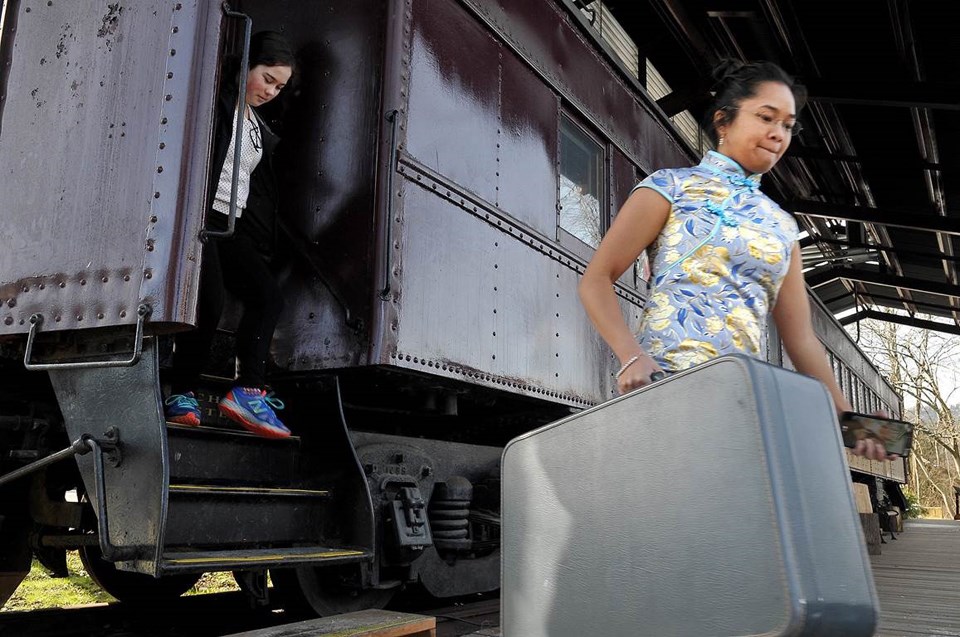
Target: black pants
238	266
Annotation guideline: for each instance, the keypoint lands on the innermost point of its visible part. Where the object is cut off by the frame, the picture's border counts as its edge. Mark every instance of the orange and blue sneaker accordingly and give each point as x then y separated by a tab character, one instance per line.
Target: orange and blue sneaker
253	409
183	409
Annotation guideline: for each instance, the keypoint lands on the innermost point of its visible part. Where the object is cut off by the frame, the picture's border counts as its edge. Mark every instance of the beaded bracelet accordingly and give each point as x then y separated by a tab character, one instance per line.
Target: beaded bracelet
626	365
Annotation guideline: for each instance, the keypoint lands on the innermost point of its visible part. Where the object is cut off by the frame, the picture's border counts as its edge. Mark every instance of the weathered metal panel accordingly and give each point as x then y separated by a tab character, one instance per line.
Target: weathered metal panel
103	146
136	489
454	80
527	146
327	168
543	33
492	305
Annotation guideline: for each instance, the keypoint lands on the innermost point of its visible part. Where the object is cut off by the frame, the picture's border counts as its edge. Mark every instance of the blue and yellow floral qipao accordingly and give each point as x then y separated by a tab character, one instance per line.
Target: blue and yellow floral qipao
717	265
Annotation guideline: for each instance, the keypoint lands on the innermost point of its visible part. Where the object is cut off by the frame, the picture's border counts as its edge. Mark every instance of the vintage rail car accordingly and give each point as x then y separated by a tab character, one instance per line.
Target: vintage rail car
448	168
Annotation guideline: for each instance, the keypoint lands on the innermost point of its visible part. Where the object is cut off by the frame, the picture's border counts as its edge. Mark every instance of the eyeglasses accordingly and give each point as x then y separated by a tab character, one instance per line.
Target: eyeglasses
789	128
255	138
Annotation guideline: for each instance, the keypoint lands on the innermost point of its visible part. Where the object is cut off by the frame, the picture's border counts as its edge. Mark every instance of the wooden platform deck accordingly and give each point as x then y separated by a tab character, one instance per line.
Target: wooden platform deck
918	580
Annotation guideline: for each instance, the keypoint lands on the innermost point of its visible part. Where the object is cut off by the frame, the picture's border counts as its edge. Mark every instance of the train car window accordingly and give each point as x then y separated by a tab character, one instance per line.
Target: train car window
581	184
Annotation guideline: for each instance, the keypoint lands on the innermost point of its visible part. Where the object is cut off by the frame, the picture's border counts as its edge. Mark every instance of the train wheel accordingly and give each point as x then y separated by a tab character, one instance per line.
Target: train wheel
133	587
325	591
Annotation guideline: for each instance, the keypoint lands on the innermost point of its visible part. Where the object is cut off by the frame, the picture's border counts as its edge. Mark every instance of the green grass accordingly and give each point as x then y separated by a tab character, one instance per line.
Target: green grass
39	590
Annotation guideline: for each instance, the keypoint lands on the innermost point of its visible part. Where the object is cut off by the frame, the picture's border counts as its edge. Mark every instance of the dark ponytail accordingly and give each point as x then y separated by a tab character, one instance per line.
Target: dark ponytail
737	81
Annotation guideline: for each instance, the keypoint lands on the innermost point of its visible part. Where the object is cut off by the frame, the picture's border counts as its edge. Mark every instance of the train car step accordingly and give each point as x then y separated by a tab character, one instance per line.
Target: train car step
187	561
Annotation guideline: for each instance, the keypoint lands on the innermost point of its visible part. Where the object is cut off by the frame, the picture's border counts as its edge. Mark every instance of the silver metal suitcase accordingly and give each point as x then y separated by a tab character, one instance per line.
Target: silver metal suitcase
716	502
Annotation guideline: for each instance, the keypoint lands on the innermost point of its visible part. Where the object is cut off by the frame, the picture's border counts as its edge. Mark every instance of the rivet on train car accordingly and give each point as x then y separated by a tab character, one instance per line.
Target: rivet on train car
42	286
83	281
8	320
100	315
123	314
126	277
153	218
173	52
494	357
163	145
558	334
176	29
57	318
62	284
178	7
312	315
148	274
163	120
494	288
495	266
79	317
494	333
494	310
159	169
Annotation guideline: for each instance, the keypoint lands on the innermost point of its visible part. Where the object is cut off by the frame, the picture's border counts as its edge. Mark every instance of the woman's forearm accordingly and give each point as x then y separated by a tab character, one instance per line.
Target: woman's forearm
600	302
810	358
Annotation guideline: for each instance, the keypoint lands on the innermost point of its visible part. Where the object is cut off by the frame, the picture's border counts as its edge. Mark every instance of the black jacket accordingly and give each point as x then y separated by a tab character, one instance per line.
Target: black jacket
259	218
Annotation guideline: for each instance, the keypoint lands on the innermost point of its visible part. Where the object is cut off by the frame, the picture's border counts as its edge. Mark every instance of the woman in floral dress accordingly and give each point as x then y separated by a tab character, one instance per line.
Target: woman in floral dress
723	255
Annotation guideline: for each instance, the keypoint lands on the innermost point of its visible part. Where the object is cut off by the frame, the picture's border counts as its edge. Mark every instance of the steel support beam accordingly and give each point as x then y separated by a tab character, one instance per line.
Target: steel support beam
879	216
893	301
936	95
934	326
859	245
817	279
799	152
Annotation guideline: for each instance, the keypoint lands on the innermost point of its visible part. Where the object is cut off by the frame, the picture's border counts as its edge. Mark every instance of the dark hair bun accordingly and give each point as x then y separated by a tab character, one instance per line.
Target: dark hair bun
726	68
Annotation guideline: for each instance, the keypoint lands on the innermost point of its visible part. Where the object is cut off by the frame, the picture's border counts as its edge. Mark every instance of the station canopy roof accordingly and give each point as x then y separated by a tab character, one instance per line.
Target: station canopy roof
874	177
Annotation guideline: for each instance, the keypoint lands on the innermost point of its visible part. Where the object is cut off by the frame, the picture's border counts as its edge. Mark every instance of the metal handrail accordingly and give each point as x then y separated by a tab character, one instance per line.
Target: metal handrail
143	312
110	552
238	134
394	118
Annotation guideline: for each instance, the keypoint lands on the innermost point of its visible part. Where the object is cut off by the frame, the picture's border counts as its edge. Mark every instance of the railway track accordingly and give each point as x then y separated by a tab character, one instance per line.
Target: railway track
224	614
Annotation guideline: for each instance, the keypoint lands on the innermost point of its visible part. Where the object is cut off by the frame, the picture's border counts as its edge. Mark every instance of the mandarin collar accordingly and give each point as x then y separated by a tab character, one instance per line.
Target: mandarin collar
728	168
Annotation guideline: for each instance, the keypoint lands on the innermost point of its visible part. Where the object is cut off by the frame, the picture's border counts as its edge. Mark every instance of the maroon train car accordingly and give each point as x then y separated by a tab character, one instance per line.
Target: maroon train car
448	168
